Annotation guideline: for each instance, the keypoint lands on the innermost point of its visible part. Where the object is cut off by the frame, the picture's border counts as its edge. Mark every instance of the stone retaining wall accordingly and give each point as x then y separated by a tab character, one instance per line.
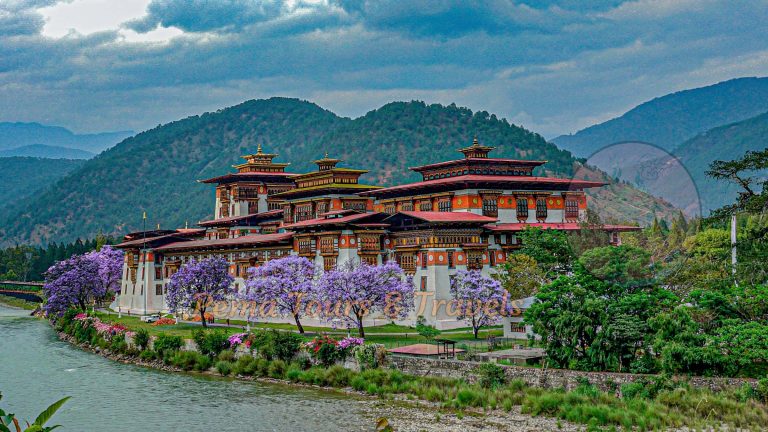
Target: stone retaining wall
547	378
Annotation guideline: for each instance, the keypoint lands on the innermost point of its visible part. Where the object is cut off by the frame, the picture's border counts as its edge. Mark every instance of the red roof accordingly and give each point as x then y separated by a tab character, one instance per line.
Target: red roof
567	226
226	220
491	160
256	239
183	232
247	175
330	221
431	216
474	178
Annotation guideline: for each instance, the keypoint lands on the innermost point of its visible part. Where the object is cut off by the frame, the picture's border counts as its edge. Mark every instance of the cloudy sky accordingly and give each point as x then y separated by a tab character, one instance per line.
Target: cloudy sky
552	66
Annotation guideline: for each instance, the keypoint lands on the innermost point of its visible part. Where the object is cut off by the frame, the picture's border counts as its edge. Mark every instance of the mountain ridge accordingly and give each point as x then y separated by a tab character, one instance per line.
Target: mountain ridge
46	151
18	134
667	121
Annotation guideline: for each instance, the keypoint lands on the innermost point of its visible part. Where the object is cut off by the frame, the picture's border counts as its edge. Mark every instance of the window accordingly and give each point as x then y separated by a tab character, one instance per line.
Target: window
571	208
451	263
406	206
490	207
492	258
322	207
423	283
425	206
423	260
369	259
541	208
444	205
303	212
271	205
159	289
329	263
522	208
158	272
354	205
389	209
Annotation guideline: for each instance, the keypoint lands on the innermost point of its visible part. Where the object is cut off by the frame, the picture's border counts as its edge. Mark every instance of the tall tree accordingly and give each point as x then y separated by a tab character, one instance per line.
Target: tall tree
521	276
288	282
478	299
747	173
199	284
354	290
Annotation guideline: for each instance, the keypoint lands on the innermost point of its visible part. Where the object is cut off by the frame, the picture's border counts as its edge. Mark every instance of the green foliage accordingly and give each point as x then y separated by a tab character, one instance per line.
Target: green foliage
370	356
276	344
210	342
491	375
591	324
621	265
550	249
141	338
8	420
521	276
167	343
24	262
224	367
425	330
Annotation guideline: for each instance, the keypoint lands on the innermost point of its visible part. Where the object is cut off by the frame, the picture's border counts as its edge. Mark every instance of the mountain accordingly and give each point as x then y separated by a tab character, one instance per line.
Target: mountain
156	170
14	135
46	151
669	120
726	142
23	177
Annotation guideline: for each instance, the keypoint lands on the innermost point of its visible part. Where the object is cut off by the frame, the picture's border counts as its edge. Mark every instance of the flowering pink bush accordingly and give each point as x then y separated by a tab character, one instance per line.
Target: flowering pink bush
81	317
350	342
239	338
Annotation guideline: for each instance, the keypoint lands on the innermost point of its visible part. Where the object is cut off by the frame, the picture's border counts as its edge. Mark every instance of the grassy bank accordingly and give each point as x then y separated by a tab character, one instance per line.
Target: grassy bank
658	403
17	302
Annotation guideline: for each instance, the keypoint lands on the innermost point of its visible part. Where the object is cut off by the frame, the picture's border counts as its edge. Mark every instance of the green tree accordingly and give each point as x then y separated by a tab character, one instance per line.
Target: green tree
521	276
744	172
549	248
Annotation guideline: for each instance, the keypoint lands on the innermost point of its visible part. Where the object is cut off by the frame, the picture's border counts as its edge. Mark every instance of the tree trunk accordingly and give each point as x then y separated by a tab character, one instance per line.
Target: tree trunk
298	323
475	331
202	315
360	330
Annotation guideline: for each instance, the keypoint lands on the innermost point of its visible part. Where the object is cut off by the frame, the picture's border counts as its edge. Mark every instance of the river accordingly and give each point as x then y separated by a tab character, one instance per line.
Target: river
36	369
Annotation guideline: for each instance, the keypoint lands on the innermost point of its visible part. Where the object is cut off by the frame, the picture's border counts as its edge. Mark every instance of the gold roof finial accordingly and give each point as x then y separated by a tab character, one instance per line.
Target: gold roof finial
475	142
258	149
326	155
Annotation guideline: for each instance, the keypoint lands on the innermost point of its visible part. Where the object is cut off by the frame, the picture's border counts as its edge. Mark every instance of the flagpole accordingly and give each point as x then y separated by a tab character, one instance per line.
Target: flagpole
144	252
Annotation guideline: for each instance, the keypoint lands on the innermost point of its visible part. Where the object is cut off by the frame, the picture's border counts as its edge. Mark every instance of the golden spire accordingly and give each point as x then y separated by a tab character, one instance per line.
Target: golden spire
326	155
258	149
475	142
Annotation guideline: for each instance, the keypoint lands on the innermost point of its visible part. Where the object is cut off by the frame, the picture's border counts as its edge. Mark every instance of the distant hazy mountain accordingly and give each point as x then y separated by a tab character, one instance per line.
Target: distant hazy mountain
14	135
23	177
156	170
669	120
46	151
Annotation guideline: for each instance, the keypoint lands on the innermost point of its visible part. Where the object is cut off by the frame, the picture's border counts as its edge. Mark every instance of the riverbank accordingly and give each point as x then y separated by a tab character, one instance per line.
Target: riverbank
17	303
404	414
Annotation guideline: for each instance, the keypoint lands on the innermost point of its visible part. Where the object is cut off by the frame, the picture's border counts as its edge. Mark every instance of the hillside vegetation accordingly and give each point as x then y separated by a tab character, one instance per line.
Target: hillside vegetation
156	170
23	177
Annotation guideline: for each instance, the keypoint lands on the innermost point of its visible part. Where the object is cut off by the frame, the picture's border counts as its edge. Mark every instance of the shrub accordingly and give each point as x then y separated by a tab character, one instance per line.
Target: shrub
118	344
169	343
491	375
277	369
184	359
202	362
227	355
370	356
224	367
147	355
210	343
325	350
141	339
285	345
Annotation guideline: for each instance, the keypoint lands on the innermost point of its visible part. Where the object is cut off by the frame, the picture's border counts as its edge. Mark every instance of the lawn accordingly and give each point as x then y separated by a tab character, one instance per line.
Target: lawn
17	302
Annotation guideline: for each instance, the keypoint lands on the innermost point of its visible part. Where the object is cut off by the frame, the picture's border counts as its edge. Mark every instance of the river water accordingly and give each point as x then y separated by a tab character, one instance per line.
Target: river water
36	369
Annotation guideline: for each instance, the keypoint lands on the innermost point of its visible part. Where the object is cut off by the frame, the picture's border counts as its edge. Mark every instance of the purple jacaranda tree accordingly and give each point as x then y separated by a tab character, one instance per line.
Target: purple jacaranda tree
82	279
354	290
110	262
73	282
199	284
287	283
477	299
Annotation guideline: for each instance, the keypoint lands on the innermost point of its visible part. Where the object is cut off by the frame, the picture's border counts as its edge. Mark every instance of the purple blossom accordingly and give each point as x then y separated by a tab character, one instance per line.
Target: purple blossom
82	279
199	284
354	290
349	342
287	283
479	300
